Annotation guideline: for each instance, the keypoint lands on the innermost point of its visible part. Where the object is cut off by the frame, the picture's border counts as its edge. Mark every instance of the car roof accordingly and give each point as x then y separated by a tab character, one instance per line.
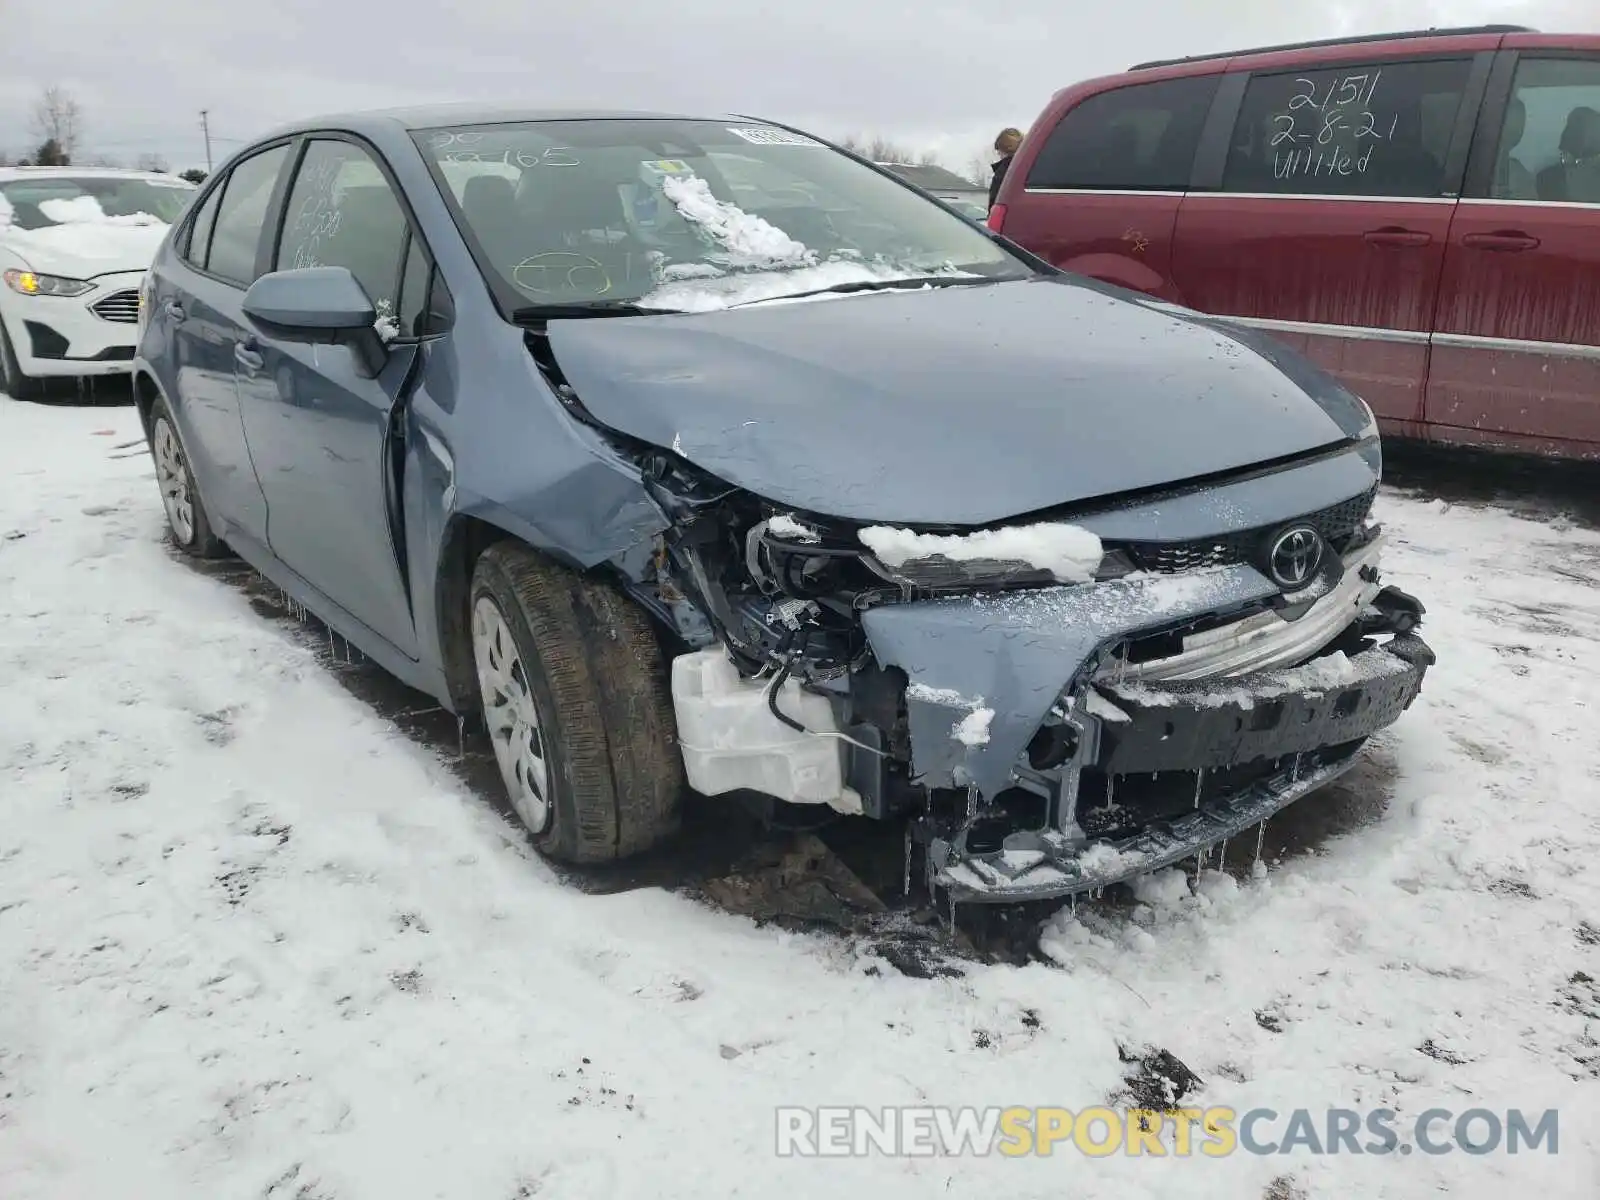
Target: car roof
1336	43
12	174
433	116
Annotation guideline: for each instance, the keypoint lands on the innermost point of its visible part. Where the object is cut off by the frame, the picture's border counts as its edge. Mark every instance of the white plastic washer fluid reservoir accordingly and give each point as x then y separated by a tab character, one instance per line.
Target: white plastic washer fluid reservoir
731	741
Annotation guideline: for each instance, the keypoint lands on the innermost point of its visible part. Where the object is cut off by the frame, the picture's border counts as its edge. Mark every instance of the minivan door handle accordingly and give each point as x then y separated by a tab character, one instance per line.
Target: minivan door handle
1393	235
248	359
1501	239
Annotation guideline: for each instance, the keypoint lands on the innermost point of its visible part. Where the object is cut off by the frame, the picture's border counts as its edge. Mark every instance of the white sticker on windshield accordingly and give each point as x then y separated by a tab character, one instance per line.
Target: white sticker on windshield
766	135
176	184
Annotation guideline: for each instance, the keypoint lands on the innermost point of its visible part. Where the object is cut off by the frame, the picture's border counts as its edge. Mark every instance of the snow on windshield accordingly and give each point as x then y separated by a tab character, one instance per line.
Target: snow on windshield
748	239
86	210
709	294
757	260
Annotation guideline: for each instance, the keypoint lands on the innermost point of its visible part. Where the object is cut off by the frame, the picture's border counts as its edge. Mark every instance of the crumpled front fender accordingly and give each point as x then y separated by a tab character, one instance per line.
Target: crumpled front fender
1014	653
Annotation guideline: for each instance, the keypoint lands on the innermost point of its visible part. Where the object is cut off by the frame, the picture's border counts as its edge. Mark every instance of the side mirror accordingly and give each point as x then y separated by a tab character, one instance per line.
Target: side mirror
322	306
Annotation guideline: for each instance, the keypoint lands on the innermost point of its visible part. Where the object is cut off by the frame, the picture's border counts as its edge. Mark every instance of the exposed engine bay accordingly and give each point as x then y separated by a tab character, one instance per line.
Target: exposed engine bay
1049	713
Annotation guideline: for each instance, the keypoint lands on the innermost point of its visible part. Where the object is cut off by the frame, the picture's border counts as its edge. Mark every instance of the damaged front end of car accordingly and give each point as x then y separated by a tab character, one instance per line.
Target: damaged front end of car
1048	712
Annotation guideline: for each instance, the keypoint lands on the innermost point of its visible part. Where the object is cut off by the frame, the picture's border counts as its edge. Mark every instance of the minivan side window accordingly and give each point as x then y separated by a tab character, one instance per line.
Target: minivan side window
1373	129
1139	138
1550	142
343	213
237	234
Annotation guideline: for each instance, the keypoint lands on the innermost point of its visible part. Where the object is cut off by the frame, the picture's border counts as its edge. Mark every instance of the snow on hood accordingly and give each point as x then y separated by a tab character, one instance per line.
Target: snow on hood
87	242
1070	553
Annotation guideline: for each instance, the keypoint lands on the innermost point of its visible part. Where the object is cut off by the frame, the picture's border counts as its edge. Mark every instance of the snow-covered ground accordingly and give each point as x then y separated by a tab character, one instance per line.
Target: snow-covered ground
254	942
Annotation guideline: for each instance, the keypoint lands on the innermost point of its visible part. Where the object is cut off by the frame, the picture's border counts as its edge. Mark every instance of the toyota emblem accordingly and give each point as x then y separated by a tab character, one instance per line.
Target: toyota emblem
1295	556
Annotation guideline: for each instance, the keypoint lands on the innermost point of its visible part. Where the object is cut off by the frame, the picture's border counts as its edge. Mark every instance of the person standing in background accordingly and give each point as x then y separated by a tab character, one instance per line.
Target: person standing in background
1006	144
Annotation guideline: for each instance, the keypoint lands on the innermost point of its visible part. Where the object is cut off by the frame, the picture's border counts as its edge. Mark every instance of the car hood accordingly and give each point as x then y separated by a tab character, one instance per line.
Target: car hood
84	249
950	406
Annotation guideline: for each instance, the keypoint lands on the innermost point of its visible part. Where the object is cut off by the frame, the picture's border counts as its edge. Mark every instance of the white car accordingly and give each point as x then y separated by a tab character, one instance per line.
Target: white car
74	244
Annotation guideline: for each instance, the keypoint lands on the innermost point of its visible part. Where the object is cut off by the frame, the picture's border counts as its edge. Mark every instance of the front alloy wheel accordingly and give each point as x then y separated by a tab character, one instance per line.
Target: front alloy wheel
511	715
574	691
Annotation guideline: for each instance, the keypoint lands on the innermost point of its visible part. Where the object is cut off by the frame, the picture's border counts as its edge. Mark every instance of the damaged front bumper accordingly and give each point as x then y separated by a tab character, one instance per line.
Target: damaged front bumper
1103	763
1268	746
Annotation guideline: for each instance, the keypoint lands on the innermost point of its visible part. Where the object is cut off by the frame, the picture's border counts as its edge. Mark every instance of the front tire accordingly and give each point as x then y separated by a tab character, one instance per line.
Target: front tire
186	515
575	697
12	381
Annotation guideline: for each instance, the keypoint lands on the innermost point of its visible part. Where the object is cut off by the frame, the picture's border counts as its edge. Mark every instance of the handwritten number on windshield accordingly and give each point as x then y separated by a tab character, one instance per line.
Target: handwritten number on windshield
555	156
561	270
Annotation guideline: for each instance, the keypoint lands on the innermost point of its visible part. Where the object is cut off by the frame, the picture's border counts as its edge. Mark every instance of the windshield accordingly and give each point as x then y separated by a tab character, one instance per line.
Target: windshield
691	215
53	200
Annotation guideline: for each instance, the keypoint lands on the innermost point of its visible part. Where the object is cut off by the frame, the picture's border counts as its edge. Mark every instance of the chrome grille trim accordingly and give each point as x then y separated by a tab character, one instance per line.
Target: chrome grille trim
1265	640
121	307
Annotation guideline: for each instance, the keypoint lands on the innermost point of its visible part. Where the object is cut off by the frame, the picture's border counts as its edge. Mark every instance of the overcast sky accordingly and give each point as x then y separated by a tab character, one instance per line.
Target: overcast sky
942	74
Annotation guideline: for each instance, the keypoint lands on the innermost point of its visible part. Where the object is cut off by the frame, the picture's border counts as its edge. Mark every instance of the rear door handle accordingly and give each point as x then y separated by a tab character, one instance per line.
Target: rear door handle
1395	236
173	309
1504	239
247	358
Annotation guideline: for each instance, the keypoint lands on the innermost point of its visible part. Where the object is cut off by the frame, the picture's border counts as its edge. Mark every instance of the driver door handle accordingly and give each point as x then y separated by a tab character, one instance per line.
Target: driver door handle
249	361
1503	239
1395	236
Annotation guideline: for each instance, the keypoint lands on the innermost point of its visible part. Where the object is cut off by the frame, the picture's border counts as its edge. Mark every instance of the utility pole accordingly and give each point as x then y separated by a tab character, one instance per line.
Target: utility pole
205	128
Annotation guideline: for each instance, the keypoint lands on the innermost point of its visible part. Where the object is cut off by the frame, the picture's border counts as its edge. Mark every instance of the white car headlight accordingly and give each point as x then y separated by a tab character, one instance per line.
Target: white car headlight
31	283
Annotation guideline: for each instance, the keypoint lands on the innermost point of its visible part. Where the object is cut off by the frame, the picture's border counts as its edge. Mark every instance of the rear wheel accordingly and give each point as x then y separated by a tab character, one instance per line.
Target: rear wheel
12	381
186	516
575	697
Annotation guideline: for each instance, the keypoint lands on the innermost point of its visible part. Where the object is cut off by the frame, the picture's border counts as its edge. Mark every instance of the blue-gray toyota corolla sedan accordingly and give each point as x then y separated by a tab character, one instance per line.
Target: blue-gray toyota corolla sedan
698	454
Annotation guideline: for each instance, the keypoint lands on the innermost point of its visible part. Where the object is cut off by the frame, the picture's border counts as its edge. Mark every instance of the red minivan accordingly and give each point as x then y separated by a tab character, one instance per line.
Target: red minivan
1417	212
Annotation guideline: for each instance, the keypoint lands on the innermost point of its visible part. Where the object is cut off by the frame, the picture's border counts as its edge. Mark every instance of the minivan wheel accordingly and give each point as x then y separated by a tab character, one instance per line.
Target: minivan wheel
12	381
576	701
186	516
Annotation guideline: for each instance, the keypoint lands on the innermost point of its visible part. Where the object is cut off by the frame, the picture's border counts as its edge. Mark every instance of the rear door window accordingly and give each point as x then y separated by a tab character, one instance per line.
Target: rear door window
1374	129
242	215
1139	138
1550	142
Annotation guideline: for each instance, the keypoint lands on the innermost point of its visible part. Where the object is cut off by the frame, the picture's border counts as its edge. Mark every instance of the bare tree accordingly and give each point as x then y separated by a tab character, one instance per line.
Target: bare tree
58	118
152	162
980	168
882	150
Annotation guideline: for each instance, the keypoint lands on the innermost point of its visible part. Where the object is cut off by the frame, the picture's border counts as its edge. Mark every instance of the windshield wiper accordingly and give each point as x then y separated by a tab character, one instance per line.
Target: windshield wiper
533	313
878	285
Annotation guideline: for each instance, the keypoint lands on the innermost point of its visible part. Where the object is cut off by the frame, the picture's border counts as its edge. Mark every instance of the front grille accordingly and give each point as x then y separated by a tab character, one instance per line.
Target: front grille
121	307
1336	523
